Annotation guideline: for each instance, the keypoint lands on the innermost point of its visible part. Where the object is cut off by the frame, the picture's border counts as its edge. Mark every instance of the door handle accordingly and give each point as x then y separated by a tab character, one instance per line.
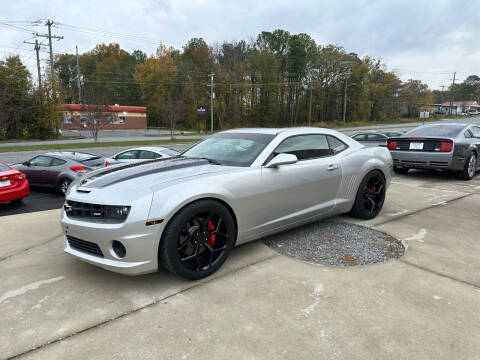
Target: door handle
332	167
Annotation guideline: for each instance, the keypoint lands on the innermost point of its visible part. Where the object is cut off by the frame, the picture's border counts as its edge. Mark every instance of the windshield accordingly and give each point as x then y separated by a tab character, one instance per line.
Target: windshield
93	161
235	149
436	130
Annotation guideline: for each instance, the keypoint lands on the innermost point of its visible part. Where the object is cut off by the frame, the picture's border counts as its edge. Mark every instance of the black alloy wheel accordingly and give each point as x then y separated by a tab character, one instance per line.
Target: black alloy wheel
197	240
370	196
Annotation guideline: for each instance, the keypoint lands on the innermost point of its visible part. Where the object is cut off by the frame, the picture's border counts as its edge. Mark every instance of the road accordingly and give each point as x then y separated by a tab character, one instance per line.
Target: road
260	304
125	135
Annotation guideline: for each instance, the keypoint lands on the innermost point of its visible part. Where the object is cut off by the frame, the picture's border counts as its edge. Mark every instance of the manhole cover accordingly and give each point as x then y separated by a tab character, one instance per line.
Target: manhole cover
337	244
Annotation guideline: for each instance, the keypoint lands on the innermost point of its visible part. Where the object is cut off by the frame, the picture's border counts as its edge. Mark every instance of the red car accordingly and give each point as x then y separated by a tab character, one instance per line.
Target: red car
13	184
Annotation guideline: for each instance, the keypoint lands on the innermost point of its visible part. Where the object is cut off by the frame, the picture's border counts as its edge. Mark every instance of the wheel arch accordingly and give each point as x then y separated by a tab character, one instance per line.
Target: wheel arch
221	201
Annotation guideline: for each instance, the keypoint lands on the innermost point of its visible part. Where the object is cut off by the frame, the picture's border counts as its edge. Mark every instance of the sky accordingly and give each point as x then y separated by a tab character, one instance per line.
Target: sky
425	40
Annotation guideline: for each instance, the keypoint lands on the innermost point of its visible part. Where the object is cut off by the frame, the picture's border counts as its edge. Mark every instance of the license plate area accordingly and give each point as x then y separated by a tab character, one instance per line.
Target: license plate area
416	146
5	183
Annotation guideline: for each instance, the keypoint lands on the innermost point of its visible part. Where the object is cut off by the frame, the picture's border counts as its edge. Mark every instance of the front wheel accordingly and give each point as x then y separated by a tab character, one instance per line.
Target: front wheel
370	196
197	240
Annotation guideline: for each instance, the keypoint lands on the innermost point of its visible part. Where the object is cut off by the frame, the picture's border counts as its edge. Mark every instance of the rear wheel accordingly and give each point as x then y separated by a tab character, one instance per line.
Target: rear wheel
470	167
399	170
197	240
64	184
370	196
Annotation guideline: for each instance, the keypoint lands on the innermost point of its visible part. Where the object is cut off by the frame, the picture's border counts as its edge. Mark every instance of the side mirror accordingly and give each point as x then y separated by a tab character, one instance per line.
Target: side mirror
282	159
26	163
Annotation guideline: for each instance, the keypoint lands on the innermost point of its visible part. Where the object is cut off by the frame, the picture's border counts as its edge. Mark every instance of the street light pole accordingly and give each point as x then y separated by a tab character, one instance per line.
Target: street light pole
345	101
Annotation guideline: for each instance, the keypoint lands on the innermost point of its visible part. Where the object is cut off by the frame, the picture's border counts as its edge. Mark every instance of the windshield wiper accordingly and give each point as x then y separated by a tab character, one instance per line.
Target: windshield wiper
211	161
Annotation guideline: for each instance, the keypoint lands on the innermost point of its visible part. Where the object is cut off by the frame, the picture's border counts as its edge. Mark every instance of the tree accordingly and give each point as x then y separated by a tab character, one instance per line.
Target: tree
415	96
96	107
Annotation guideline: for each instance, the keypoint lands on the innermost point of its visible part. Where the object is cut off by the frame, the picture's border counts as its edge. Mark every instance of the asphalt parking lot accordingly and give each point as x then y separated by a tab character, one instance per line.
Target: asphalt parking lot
261	304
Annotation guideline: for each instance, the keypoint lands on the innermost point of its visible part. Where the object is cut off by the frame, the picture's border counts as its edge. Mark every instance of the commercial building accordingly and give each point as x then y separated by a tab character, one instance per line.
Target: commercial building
112	117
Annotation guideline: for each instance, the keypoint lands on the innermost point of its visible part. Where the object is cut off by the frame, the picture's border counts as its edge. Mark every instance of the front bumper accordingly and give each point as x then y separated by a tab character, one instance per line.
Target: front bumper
426	160
140	241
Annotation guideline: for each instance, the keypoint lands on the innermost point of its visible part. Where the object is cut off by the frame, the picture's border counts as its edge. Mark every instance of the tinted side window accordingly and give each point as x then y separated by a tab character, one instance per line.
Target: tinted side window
475	131
145	154
305	146
57	162
127	155
336	146
41	161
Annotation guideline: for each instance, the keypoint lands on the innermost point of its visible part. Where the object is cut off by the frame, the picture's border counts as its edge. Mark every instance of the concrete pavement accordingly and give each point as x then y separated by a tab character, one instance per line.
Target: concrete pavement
260	305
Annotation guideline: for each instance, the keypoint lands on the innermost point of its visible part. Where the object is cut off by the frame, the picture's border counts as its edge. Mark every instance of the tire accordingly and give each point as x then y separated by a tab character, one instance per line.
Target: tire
370	196
399	170
64	184
197	240
469	168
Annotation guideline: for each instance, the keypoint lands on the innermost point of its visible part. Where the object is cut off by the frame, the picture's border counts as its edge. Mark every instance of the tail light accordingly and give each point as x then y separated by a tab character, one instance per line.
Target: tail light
392	145
107	163
446	146
78	168
19	176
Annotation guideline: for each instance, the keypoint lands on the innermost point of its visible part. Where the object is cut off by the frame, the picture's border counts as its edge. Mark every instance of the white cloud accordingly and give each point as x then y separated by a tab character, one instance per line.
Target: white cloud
419	38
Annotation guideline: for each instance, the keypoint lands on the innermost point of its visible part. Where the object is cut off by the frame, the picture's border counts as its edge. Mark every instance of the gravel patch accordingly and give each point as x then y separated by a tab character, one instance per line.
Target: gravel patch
336	244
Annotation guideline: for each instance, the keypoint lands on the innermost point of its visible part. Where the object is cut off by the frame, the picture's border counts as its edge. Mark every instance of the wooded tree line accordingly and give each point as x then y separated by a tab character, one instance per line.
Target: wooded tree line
26	111
277	79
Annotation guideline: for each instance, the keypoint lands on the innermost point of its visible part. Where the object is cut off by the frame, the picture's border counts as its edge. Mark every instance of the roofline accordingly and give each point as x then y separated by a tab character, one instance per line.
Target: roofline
112	108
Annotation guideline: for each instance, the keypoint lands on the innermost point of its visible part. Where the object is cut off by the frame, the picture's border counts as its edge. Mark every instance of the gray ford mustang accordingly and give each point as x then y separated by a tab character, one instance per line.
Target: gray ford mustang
187	212
452	147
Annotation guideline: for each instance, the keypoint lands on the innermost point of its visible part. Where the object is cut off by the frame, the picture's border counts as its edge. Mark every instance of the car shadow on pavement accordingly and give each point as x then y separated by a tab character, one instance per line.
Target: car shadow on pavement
38	200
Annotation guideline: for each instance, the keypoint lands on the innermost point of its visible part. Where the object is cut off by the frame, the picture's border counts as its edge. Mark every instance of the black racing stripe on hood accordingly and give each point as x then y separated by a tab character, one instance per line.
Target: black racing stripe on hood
131	171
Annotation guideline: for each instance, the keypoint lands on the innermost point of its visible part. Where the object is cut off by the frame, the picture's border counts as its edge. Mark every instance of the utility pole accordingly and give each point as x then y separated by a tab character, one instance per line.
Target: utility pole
212	95
453	93
441	94
78	78
49	24
310	106
37	49
345	101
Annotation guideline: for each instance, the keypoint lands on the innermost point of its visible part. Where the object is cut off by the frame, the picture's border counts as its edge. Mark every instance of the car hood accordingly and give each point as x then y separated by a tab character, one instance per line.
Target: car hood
145	175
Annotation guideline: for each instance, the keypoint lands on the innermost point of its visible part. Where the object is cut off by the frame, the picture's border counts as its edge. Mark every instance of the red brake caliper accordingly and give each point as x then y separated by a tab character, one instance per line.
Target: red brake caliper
373	191
210	227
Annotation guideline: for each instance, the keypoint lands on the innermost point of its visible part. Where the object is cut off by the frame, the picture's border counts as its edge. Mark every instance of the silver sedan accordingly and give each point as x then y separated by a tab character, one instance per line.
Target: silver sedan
187	213
143	153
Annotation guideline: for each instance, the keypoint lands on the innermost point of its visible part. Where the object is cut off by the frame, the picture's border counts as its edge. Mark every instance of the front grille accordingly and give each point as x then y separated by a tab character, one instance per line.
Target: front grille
96	212
84	246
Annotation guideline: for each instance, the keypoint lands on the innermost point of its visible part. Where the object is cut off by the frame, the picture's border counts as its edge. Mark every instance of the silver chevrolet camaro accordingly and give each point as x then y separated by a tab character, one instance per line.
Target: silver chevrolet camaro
186	213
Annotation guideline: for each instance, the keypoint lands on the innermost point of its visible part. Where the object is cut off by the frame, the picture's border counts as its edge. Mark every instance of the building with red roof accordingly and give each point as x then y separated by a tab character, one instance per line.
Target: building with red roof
117	117
456	107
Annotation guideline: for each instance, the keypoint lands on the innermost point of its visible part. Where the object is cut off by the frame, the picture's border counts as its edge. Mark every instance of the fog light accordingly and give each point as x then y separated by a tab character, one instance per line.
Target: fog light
119	249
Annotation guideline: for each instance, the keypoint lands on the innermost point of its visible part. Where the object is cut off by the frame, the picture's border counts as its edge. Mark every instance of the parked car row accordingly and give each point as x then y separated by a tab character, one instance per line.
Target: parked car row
57	170
371	138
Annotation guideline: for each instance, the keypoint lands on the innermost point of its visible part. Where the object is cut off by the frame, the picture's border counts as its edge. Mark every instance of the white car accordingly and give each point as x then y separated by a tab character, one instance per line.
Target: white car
144	153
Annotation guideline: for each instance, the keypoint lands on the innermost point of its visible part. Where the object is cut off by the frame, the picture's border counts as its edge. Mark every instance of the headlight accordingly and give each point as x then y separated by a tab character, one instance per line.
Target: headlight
117	212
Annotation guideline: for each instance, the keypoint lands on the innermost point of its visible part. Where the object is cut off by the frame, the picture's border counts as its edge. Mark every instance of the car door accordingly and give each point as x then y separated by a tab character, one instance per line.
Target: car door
38	168
53	172
306	189
128	156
